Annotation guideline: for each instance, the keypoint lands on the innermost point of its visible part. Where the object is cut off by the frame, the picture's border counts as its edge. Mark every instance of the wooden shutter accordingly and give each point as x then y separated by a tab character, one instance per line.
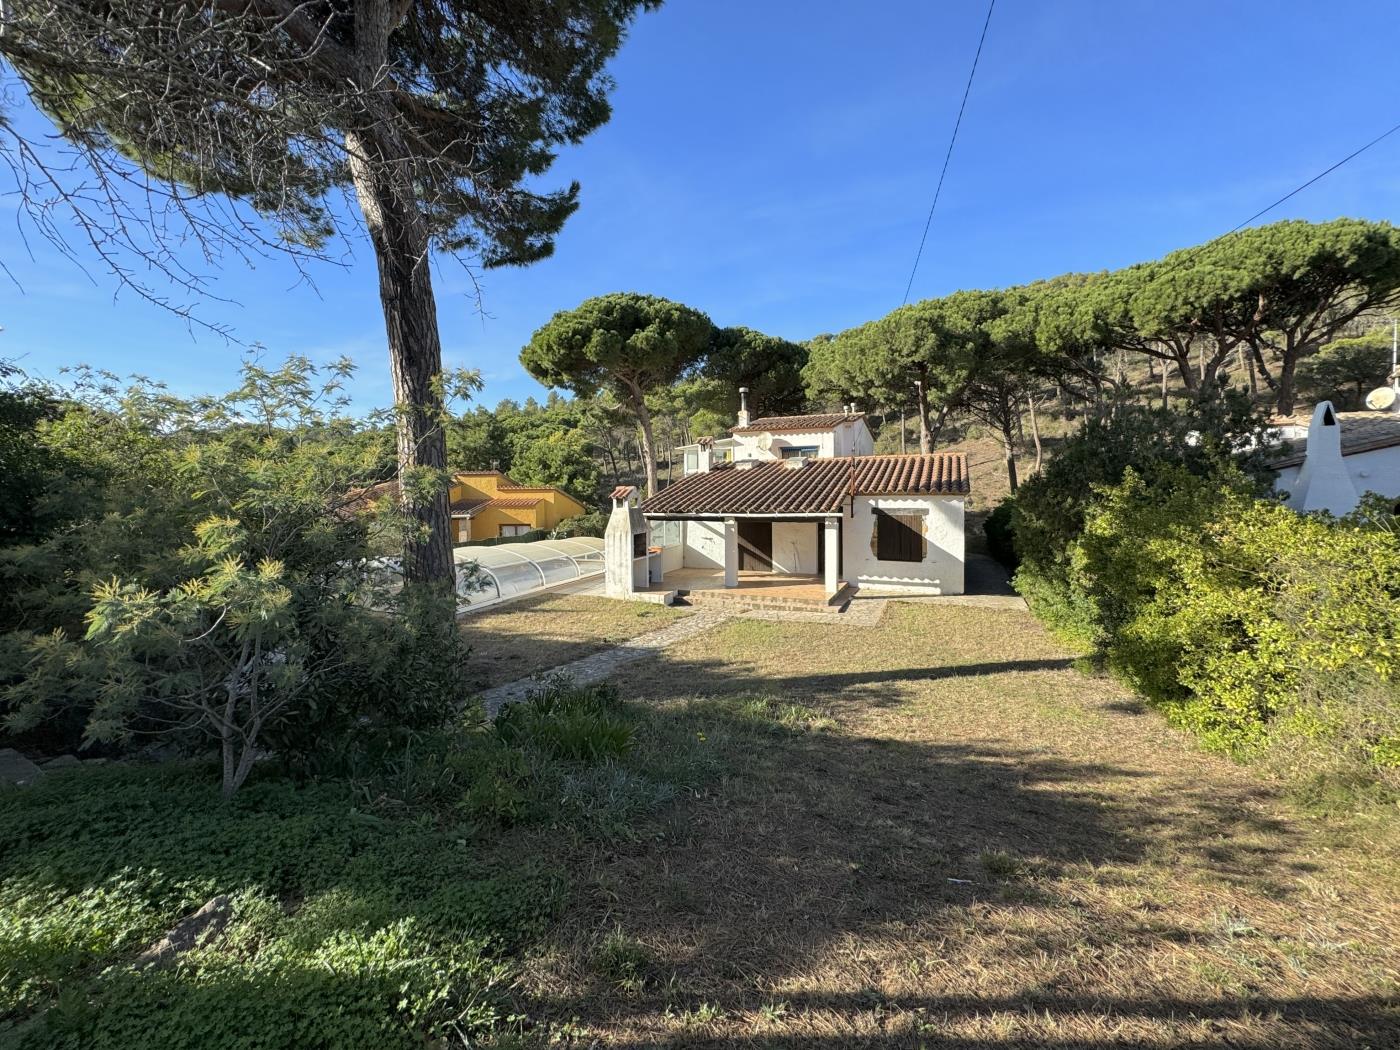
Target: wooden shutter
899	537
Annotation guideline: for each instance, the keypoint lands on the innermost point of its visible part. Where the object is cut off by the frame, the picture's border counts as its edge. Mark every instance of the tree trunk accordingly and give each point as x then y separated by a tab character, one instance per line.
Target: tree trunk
1007	441
639	407
937	429
381	169
1259	363
925	437
1009	448
1247	365
1284	392
902	448
1035	431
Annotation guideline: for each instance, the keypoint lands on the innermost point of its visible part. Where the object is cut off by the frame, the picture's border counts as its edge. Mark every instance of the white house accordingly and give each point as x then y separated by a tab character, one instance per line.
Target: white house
802	497
782	437
1337	457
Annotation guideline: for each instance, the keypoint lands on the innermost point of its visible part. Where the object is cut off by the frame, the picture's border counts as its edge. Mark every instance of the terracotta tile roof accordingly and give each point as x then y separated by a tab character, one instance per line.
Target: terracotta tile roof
794	424
468	504
515	502
819	486
1361	432
622	492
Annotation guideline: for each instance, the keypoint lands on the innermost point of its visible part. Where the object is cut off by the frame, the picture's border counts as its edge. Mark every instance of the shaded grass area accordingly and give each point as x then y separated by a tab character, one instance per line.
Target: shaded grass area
535	634
977	846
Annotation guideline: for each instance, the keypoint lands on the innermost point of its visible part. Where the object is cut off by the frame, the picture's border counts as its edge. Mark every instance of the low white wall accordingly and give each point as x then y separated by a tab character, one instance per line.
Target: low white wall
941	571
704	545
795	547
672	558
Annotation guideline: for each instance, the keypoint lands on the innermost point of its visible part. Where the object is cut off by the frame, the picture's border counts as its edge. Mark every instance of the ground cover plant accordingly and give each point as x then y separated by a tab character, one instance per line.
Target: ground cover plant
383	907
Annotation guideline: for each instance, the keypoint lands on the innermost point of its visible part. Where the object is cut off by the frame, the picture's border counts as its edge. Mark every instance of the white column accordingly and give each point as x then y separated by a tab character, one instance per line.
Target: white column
832	555
731	552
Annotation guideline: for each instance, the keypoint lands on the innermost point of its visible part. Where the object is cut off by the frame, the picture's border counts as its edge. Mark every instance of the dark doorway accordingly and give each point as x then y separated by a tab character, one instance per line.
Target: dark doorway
755	545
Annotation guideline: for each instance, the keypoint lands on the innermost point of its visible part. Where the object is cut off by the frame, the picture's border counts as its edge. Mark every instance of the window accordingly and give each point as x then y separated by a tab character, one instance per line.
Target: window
795	451
724	455
514	530
667	534
898	537
692	462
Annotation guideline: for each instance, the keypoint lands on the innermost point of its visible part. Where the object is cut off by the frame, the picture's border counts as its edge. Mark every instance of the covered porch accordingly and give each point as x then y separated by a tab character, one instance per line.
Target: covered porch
781	556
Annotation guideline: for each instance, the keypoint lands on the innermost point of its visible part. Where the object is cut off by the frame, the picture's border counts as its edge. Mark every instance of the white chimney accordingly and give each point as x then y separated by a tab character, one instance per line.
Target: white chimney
705	456
743	406
1323	482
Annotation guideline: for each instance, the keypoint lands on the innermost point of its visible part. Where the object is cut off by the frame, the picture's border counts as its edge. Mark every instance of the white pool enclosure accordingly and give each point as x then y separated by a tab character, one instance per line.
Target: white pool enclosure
510	570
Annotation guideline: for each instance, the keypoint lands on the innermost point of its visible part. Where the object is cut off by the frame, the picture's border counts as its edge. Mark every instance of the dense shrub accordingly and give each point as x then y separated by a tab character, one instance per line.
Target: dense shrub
1260	630
594	523
211	587
1204	440
568	721
1263	631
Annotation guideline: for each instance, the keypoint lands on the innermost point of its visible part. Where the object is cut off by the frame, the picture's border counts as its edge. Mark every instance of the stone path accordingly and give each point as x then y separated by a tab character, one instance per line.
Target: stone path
598	666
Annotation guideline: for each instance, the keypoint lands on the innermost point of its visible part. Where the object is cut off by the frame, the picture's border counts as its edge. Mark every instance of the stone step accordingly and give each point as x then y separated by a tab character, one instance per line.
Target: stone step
16	769
761	601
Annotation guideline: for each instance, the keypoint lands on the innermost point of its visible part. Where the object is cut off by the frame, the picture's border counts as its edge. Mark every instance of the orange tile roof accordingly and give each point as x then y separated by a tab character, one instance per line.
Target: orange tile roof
818	486
515	502
795	424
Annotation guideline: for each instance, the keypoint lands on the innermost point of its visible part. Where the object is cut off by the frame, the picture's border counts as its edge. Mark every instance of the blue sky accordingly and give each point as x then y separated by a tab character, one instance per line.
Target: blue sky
772	164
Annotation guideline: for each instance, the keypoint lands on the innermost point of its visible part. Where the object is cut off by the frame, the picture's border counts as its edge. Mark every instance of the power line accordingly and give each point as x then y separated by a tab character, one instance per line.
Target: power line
1315	178
949	156
1291	193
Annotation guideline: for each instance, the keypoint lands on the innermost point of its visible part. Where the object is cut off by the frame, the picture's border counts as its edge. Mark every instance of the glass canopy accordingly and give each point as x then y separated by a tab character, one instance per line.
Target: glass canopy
509	570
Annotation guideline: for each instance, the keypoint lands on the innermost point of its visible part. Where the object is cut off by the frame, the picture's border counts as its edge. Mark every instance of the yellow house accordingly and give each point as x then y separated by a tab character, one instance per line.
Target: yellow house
487	505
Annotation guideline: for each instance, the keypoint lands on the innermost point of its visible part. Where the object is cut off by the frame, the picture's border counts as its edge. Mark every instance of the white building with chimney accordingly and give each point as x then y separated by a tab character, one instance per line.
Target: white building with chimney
1334	458
794	508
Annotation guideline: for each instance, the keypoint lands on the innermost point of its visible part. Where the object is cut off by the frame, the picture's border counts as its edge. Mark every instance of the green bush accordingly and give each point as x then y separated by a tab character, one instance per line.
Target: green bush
1052	506
594	523
568	721
1258	629
210	590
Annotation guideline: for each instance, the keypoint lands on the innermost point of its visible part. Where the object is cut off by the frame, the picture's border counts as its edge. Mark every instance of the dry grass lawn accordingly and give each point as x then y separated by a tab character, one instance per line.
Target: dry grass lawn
534	634
965	842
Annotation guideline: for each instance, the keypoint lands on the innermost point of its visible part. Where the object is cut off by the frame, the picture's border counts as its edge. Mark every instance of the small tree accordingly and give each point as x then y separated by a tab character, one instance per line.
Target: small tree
1360	362
626	343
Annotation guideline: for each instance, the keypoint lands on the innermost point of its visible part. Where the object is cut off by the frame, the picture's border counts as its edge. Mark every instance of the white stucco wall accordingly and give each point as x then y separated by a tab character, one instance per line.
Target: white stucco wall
704	545
1374	471
853	439
747	444
795	547
941	571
